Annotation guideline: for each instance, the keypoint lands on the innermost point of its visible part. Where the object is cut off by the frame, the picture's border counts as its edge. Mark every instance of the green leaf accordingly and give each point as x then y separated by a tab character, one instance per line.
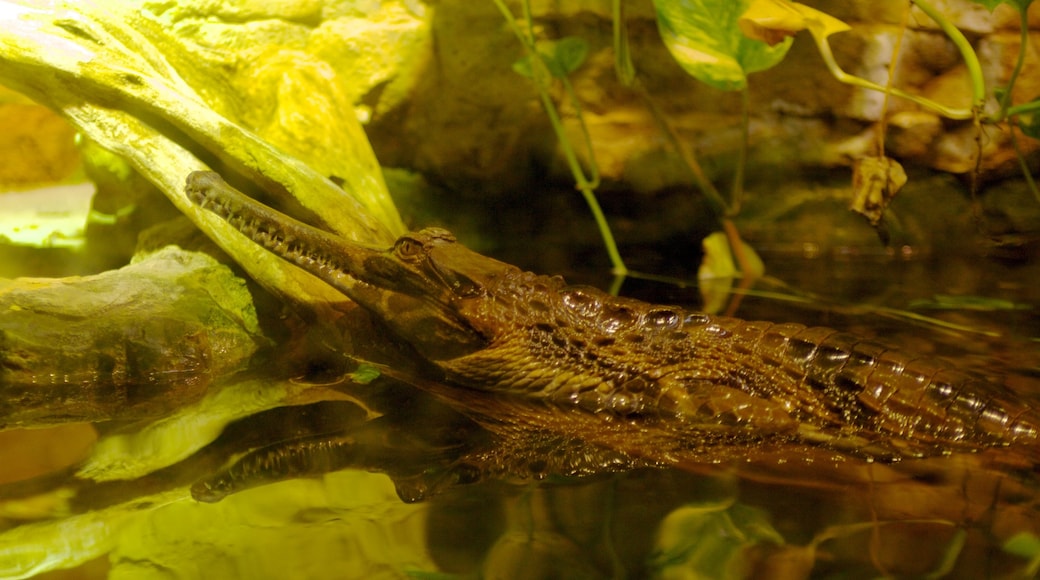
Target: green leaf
561	57
1031	128
1020	5
1029	122
365	374
718	270
711	540
771	21
523	68
705	39
1023	544
569	53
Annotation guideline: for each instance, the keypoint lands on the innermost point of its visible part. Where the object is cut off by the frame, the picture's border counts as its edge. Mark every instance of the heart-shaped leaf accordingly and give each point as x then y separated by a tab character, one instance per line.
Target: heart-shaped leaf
561	57
771	21
705	39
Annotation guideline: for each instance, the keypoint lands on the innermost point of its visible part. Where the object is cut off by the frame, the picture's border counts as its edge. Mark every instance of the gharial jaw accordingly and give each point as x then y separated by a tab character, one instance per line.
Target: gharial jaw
400	285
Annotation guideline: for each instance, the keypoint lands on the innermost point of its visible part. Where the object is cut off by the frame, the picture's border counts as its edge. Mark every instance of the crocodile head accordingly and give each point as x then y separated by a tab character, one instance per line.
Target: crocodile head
426	288
421	287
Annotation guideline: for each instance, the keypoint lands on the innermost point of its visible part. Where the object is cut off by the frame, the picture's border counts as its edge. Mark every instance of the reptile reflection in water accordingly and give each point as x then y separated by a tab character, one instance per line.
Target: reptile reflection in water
651	384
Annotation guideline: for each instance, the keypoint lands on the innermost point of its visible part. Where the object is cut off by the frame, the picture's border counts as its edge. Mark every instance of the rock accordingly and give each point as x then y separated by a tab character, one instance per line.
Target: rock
998	53
951	89
967	16
36	144
912	133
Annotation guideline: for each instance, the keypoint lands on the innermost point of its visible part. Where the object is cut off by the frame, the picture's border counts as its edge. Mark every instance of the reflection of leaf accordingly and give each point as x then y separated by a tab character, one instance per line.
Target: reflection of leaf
718	270
704	38
1026	545
773	20
1023	544
979	303
713	540
875	181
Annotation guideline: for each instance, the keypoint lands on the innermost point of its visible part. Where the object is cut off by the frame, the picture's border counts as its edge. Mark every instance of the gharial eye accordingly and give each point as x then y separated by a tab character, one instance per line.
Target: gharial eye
408	249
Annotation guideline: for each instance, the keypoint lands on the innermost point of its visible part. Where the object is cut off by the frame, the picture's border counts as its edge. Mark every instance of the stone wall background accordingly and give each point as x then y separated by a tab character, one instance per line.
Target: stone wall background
467	144
470	117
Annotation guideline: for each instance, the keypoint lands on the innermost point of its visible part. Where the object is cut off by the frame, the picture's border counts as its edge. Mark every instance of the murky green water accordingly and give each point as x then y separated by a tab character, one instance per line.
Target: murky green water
800	516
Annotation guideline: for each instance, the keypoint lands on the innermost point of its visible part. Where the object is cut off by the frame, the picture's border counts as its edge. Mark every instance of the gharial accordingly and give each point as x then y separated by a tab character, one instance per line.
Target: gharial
489	327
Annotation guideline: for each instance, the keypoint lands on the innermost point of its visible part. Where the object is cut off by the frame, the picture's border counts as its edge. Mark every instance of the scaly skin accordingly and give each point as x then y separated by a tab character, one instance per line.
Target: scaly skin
491	327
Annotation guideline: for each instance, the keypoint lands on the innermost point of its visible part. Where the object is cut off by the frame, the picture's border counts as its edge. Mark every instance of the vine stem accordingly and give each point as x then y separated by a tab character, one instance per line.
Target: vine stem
736	197
1005	99
539	72
1023	165
736	244
626	72
882	126
714	197
748	276
1010	112
971	61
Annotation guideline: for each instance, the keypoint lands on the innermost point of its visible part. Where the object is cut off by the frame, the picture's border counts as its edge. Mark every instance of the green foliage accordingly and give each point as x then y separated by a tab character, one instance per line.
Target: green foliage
1029	123
718	270
977	303
1023	544
705	39
1026	545
711	540
565	56
365	374
561	57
